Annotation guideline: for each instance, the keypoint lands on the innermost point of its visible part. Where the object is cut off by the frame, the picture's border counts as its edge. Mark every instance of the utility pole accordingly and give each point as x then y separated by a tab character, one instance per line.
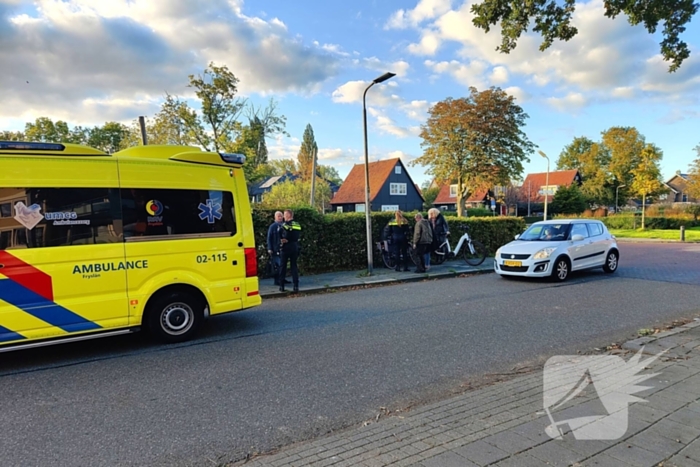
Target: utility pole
529	187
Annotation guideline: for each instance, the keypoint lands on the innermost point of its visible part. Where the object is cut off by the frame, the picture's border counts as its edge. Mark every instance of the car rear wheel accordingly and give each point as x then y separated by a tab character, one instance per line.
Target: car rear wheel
611	262
561	269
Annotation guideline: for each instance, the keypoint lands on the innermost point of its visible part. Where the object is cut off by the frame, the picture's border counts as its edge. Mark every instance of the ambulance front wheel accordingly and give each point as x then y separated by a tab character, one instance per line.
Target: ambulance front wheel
174	316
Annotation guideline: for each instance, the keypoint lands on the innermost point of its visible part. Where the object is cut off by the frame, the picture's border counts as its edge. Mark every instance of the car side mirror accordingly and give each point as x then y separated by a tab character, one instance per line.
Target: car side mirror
577	237
517	236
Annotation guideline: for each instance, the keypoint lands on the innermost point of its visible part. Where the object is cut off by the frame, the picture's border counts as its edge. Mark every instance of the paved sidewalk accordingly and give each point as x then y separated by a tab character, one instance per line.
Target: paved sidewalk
504	425
380	275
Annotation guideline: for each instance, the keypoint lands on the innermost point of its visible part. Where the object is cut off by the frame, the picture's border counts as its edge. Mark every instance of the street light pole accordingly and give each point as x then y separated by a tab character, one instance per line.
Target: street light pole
546	194
617	191
368	218
529	196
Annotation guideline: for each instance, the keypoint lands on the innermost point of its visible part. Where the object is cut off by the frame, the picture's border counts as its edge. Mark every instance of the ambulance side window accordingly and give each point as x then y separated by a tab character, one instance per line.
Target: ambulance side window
152	212
50	217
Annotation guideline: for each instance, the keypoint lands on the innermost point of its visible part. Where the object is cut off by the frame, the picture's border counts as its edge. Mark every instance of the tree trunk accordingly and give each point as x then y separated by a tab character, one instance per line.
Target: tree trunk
644	201
460	204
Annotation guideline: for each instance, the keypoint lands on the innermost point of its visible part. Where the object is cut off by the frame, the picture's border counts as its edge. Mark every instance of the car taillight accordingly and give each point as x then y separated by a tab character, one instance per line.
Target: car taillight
251	262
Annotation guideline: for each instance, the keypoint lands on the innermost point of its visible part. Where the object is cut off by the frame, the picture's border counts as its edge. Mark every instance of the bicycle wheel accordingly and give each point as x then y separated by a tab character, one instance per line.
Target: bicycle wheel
413	255
479	255
388	259
440	255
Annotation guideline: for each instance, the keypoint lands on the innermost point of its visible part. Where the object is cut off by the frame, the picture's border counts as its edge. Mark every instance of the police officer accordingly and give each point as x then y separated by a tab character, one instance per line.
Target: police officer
274	245
291	231
397	231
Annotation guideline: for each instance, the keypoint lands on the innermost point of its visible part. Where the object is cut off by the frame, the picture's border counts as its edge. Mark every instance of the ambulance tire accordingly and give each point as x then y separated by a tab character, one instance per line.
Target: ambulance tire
174	316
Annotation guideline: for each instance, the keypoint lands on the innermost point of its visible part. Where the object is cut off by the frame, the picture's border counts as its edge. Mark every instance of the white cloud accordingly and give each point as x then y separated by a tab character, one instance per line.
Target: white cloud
625	92
388	126
77	54
425	10
572	101
400	68
519	94
605	54
499	75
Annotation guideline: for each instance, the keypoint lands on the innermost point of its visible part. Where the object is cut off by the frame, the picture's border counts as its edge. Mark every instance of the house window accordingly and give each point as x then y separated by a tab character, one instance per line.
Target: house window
390	207
548	189
360	207
663	197
339	209
397	189
453	191
684	199
397	170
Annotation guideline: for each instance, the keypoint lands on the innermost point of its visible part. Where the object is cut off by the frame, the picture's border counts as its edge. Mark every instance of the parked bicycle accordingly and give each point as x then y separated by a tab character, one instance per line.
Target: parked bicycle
388	258
474	250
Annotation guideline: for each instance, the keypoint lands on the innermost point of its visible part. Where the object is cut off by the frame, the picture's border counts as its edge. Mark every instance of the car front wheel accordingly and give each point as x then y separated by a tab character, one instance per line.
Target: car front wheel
611	262
561	269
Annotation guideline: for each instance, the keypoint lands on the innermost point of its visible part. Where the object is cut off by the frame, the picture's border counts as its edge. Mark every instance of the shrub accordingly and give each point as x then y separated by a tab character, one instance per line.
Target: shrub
337	241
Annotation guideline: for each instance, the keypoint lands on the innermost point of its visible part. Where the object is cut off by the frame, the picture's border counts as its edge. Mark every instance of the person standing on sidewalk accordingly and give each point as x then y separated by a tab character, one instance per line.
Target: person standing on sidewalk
291	231
440	230
397	232
422	239
274	243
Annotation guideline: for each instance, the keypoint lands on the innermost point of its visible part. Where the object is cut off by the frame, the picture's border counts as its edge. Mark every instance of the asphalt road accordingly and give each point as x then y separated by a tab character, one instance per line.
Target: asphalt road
296	368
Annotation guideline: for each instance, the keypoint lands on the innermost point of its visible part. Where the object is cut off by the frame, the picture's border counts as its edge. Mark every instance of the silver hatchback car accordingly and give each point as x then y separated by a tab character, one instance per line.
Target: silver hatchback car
555	248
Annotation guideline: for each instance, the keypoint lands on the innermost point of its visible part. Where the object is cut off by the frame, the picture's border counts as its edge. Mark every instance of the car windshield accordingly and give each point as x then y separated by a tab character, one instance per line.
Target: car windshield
546	232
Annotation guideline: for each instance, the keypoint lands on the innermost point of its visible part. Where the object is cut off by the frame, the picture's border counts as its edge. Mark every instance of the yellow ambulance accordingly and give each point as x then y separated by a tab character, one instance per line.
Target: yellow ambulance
92	244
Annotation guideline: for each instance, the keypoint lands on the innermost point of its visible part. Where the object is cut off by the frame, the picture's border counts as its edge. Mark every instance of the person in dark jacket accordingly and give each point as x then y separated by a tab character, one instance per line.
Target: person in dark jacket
440	228
397	232
422	239
291	233
274	243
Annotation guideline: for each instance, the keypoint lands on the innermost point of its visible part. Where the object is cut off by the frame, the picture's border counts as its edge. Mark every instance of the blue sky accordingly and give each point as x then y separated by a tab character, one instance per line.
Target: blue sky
90	61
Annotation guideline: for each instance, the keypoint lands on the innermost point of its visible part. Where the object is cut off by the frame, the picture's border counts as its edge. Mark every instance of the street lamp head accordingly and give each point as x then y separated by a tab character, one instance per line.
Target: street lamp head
384	77
543	154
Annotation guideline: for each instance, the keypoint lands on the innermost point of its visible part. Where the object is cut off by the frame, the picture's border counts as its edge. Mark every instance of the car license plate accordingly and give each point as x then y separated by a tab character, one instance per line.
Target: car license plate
516	264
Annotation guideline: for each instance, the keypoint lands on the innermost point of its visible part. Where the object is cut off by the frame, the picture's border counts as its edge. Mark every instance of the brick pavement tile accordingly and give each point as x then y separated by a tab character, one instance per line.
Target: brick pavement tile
692	450
554	453
675	431
635	455
686	417
447	459
510	442
603	460
519	460
481	453
680	393
658	401
534	429
585	447
652	441
681	461
646	413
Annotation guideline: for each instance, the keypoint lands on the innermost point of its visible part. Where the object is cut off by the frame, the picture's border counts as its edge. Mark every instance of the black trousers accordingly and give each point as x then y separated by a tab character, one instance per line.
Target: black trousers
398	249
290	252
421	250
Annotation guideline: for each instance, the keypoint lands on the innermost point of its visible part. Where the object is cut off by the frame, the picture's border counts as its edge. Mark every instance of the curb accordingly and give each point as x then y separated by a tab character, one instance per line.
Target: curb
639	343
416	278
651	240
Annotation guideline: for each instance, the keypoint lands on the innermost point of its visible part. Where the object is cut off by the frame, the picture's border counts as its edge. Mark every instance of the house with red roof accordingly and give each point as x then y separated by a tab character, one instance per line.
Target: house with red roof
535	185
390	188
447	198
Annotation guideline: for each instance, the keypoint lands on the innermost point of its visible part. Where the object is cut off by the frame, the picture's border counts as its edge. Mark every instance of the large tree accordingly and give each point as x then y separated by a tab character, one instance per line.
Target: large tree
694	176
47	131
329	173
552	20
110	137
282	166
297	193
592	160
569	200
646	175
475	141
307	152
12	136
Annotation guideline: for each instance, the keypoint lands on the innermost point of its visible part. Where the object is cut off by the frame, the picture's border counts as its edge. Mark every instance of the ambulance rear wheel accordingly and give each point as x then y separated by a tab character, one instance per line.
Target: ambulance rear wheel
174	316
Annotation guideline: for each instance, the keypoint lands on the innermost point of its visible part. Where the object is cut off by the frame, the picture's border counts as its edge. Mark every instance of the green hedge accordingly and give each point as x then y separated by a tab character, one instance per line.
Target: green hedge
337	242
635	222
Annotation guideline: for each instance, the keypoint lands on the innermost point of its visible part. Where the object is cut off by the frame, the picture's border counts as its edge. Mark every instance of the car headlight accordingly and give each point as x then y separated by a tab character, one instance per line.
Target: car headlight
544	253
498	253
